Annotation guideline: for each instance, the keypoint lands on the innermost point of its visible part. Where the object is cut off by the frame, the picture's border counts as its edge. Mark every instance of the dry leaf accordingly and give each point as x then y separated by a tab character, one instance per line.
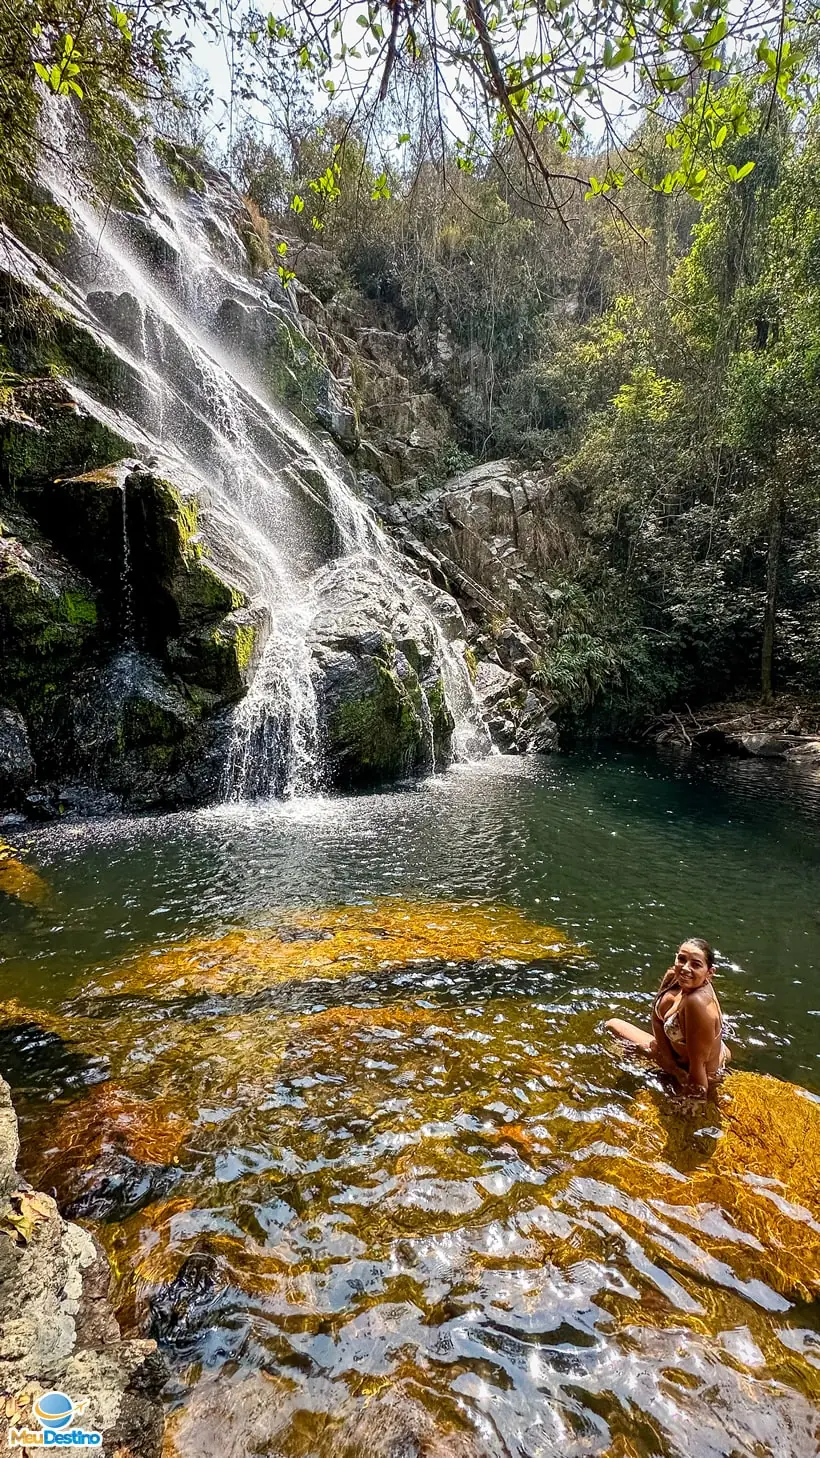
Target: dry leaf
27	1211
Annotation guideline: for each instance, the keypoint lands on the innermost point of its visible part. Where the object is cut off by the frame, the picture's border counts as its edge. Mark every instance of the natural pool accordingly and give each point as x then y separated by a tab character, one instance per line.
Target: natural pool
330	1079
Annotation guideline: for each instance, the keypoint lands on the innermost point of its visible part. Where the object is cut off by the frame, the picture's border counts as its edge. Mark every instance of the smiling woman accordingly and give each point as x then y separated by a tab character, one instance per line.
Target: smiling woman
687	1022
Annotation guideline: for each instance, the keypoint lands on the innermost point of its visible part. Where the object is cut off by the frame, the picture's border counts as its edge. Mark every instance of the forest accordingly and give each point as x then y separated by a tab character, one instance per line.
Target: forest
632	302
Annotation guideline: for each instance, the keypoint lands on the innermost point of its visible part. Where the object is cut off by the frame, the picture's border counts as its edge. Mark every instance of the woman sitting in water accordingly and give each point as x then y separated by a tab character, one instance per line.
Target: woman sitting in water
687	1024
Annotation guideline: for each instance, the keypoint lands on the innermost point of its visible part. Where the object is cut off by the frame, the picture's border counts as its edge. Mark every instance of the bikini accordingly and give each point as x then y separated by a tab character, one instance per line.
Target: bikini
670	1022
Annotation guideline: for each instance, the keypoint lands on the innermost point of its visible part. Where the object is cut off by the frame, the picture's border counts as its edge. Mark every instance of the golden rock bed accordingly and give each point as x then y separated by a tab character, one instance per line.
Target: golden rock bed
460	1224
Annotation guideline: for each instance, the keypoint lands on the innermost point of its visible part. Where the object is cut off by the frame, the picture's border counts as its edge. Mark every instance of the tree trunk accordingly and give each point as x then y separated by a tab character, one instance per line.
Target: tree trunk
776	516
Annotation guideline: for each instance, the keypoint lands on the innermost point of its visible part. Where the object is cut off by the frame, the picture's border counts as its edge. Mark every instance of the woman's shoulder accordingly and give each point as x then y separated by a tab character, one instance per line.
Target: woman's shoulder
701	1001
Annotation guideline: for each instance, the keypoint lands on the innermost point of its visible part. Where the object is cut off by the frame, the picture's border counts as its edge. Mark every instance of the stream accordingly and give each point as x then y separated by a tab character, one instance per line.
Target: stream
328	1078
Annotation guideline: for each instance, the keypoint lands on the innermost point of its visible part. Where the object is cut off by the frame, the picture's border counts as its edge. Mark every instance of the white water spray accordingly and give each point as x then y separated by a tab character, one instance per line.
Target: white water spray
206	409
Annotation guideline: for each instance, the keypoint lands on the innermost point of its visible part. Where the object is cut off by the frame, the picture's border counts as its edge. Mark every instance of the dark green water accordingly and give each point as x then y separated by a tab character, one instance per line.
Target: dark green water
431	1210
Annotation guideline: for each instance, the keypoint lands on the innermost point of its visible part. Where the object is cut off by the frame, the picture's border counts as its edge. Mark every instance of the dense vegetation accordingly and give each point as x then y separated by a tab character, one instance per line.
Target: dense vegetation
654	344
663	360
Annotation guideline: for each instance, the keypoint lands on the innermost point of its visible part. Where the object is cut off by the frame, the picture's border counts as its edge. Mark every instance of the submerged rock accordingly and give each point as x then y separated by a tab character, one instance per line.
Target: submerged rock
19	880
117	1186
57	1327
384	713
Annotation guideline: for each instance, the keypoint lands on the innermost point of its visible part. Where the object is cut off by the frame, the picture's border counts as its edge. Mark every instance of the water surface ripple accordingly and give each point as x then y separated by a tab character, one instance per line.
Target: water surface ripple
379	1203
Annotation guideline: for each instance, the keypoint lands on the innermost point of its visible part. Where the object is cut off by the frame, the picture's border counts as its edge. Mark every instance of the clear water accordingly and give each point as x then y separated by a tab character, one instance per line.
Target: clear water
422	1203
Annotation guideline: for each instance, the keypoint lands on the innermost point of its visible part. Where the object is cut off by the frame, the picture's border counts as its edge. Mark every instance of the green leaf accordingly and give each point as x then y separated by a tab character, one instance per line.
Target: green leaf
42	73
403	139
744	171
716	34
282	248
721	136
624	53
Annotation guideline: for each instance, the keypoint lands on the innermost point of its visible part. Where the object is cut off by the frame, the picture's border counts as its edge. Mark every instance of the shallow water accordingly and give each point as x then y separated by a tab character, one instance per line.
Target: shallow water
376	1178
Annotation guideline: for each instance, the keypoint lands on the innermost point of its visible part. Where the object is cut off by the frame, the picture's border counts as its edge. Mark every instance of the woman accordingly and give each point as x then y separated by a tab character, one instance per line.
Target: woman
687	1024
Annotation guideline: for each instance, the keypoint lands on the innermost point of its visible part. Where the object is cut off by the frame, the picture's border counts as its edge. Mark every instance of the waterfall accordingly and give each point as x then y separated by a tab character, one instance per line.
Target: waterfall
127	592
279	506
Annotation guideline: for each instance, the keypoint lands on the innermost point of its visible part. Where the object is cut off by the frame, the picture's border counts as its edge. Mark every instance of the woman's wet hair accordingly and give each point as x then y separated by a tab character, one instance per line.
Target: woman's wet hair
702	946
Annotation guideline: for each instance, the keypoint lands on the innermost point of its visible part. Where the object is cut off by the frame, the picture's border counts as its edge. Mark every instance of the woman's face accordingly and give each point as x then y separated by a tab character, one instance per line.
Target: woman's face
691	967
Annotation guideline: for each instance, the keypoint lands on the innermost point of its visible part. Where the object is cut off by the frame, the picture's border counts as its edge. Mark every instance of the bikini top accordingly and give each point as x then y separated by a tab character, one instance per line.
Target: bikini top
671	1019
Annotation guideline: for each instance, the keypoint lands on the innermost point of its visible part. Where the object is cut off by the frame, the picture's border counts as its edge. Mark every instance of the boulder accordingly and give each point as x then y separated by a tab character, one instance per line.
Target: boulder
380	687
16	761
222	656
518	717
141	538
144	734
763	745
57	1326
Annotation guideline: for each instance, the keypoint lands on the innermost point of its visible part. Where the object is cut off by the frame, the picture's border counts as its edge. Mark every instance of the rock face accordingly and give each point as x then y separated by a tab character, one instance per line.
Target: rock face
383	708
16	763
123	563
498	531
161	511
57	1328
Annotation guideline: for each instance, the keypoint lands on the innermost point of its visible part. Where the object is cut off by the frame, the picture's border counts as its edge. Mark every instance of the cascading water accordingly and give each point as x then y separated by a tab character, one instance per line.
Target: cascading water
276	501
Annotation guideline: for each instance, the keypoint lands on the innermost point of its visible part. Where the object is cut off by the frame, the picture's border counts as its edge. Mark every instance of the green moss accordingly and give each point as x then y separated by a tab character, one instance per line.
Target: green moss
75	607
295	373
471	662
381	733
179	161
244	643
43	436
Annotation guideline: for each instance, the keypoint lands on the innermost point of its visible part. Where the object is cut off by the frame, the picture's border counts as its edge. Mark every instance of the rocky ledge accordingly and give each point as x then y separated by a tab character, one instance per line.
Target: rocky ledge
57	1327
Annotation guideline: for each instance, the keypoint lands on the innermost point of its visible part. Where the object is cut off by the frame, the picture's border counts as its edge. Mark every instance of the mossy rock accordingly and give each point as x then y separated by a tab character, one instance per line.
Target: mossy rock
49	614
378	733
296	374
169	551
221	657
138	537
380	723
43	336
383	706
46	432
